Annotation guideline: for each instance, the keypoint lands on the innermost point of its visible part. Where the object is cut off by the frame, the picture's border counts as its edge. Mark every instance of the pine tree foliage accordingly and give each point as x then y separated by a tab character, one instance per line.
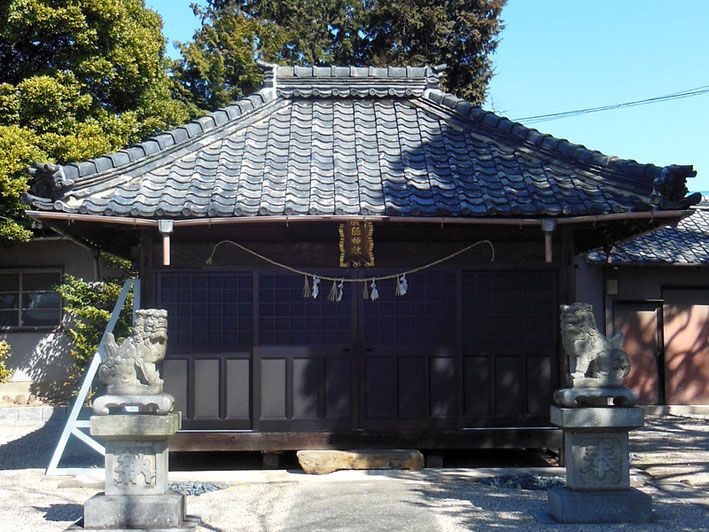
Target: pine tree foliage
458	33
220	63
78	79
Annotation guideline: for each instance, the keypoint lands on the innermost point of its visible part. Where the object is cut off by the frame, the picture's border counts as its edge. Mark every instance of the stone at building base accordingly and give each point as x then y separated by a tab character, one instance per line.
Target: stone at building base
322	462
625	506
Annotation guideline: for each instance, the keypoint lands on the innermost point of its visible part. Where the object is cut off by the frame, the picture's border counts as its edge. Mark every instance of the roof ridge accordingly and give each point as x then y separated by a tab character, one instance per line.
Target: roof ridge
347	81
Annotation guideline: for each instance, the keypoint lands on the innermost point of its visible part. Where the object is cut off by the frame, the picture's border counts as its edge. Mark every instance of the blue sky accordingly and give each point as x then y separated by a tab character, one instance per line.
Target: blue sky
561	55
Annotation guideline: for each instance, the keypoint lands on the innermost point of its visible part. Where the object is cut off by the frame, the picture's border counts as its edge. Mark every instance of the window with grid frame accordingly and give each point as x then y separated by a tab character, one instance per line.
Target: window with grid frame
28	299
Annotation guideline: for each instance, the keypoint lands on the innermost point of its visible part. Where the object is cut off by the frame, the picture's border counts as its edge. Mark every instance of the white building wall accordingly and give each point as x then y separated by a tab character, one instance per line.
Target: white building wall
40	358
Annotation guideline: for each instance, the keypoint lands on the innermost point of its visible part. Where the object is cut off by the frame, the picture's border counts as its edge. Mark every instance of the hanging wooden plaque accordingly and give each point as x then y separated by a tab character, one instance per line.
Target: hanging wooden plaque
356	244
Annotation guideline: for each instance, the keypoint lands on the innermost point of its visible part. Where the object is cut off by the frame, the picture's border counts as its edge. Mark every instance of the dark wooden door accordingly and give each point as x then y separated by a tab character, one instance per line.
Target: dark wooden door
462	349
303	359
409	354
509	347
208	367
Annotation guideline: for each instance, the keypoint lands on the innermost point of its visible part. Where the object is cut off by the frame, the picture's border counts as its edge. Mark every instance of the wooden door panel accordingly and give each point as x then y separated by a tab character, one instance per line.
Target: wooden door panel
212	390
338	388
206	388
686	339
639	323
174	373
411	385
443	387
238	389
304	388
509	345
409	352
307	386
540	385
273	389
477	387
381	391
508	387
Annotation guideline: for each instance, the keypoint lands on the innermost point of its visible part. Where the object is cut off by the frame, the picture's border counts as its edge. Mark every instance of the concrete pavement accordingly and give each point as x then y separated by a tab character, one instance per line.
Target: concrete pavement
670	458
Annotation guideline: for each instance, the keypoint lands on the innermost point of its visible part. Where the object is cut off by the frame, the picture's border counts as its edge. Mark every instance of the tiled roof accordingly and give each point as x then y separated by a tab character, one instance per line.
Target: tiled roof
685	243
360	141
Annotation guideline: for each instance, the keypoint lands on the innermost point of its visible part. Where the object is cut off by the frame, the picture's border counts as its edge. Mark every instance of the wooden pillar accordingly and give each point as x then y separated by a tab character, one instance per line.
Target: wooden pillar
567	294
146	271
567	271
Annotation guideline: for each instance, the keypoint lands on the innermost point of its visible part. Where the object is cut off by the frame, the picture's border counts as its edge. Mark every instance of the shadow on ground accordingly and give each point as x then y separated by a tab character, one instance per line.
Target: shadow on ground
61	512
34	450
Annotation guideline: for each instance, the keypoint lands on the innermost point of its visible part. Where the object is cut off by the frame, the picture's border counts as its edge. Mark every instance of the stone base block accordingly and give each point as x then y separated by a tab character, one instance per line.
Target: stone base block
190	523
135	512
322	462
135	426
599	418
627	506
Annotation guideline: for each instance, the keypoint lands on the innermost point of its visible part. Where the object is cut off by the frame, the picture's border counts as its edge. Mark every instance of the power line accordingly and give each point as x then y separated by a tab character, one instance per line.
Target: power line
565	114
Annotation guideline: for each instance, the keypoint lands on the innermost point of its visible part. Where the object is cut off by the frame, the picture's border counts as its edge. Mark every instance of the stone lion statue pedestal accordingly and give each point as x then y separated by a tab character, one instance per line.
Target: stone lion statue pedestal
136	495
596	413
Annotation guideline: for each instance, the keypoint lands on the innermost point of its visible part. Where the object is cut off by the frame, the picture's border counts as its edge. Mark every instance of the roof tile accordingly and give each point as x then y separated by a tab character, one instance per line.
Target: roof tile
358	141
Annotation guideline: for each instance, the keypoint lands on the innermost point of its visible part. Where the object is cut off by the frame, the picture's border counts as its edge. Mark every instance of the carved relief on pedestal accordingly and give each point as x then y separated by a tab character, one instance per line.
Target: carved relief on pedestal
131	466
602	459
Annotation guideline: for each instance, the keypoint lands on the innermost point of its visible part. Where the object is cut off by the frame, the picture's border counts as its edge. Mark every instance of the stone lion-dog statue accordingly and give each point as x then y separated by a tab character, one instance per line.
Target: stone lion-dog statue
597	365
130	368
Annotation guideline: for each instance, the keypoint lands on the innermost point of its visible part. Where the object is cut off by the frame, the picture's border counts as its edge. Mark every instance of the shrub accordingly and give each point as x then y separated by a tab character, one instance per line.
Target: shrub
89	306
5	374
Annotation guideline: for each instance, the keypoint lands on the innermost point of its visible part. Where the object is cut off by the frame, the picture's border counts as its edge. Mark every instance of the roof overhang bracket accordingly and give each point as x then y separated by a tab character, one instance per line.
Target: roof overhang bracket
165	227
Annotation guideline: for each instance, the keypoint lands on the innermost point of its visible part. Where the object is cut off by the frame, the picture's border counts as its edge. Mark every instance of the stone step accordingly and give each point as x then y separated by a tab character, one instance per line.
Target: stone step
321	462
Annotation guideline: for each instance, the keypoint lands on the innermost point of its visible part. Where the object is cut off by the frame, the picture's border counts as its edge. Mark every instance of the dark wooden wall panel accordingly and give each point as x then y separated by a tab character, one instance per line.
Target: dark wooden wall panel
508	386
412	388
381	395
462	348
338	388
477	386
443	387
174	374
238	390
206	388
273	389
539	385
307	381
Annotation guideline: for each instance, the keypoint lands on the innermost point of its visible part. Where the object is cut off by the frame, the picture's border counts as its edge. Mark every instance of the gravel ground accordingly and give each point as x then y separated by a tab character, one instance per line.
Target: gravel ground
670	456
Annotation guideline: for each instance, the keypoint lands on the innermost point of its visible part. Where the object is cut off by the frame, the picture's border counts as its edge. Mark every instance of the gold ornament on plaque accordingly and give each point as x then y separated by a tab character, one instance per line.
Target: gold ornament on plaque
356	244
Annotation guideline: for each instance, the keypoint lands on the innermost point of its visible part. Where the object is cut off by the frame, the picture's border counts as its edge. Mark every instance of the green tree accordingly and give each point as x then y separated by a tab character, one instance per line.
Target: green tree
220	63
78	79
460	33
